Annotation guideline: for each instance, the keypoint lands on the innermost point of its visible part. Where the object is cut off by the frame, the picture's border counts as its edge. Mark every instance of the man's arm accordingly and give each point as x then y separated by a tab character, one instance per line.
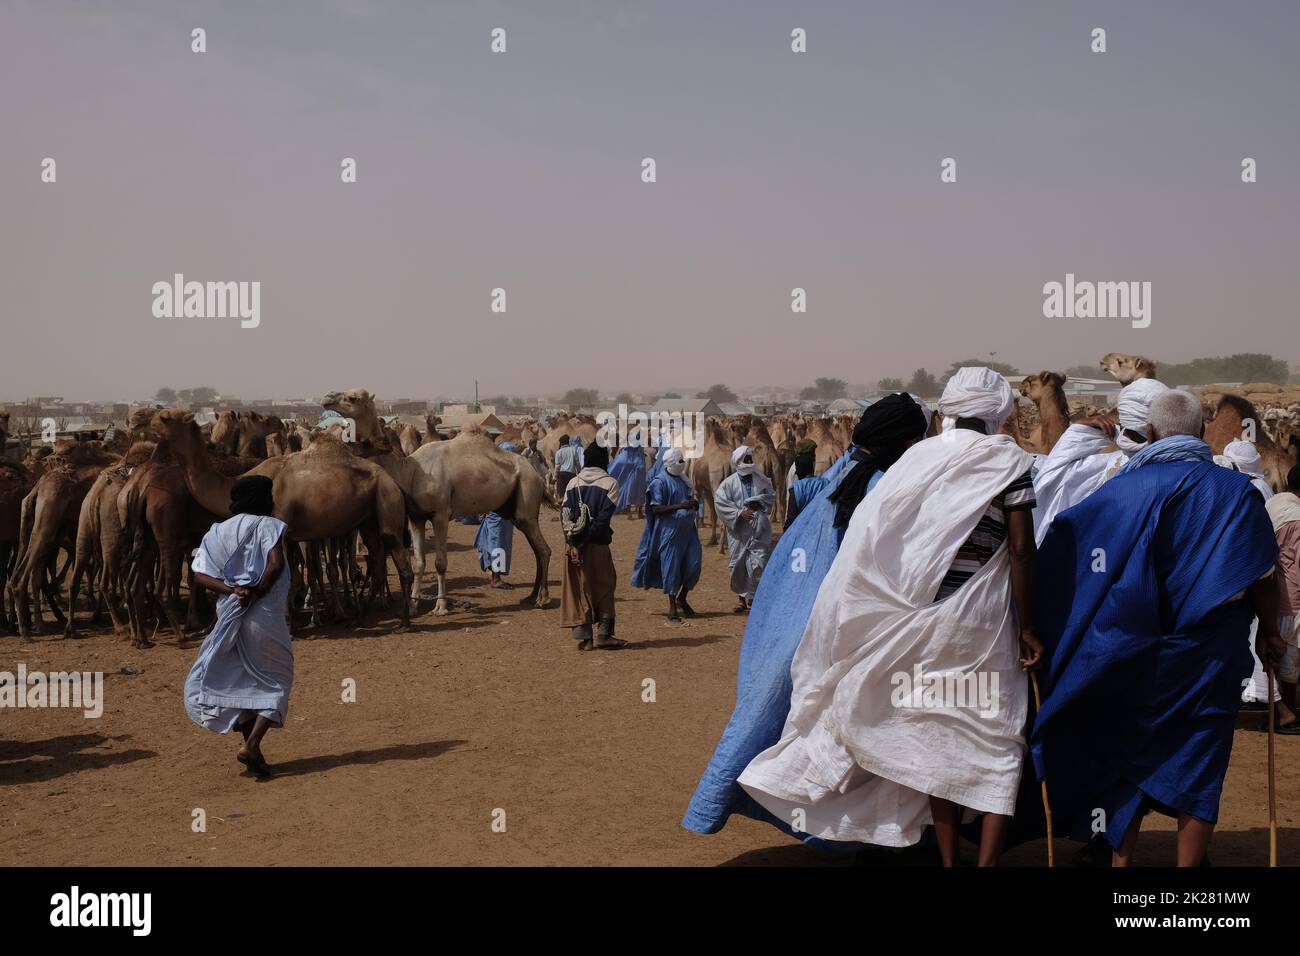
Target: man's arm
1024	578
1269	646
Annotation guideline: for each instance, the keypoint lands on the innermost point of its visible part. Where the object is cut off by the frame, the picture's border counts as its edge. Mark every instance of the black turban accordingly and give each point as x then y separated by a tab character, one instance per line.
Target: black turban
595	455
881	436
252	496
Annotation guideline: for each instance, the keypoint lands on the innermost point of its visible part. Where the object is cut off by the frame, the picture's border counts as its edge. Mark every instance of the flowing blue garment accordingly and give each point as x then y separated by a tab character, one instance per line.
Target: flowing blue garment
628	469
775	627
669	555
245	666
805	490
657	468
1147	645
495	542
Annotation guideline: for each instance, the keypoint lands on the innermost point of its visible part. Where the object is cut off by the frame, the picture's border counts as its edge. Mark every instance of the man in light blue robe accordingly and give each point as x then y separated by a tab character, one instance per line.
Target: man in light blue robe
782	607
495	541
244	671
669	556
743	502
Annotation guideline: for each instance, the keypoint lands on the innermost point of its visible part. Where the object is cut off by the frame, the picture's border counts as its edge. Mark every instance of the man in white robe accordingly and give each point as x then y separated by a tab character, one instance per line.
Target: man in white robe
1090	452
744	501
902	704
1243	456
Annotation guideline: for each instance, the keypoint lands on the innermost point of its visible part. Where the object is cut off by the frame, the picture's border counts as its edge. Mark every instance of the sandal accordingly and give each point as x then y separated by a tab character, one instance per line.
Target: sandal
610	644
585	644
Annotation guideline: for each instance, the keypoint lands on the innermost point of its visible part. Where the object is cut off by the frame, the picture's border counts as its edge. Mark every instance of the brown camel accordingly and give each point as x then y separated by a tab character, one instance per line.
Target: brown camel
1128	368
245	433
321	493
750	430
1046	390
16	481
48	523
431	433
1235	417
447	479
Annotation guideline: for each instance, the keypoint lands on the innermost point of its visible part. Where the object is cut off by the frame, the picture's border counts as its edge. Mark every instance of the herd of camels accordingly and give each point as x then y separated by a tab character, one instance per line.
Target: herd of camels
126	513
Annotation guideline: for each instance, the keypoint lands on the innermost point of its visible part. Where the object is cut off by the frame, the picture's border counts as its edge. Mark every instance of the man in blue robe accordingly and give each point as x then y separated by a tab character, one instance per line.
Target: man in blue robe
629	469
806	485
669	556
781	610
1148	590
495	541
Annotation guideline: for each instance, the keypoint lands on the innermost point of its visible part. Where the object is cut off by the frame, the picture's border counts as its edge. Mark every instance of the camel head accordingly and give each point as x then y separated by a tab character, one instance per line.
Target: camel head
1126	368
358	405
178	427
1035	386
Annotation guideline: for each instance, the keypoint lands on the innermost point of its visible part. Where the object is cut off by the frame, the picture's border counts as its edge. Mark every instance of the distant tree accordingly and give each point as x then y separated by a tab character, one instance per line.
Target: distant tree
923	383
1242	367
808	394
624	398
671	395
165	395
890	385
1085	371
1000	367
580	397
719	393
202	395
830	388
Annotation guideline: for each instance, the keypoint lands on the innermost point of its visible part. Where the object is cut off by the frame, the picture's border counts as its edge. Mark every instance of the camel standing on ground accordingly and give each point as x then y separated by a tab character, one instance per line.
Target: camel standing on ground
321	493
1046	390
15	482
443	480
710	470
750	430
49	523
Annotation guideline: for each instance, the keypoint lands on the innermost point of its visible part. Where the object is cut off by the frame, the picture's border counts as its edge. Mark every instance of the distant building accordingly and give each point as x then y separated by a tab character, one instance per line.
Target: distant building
733	409
1094	391
844	406
688	406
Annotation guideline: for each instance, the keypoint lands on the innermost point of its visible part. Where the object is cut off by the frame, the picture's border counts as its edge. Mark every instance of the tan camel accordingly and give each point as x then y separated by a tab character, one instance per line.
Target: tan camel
48	523
245	433
321	493
1128	368
431	433
1235	417
99	542
750	430
710	470
447	479
1046	390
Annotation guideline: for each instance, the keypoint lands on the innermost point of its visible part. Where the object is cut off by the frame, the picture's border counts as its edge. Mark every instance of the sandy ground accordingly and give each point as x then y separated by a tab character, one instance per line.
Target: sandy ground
489	709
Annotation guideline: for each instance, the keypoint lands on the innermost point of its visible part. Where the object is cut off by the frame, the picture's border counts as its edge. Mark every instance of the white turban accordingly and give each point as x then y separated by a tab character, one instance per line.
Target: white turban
1245	456
977	392
736	458
1134	404
674	462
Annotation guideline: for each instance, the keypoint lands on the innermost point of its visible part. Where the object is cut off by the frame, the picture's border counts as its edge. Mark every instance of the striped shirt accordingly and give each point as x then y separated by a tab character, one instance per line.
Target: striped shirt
989	533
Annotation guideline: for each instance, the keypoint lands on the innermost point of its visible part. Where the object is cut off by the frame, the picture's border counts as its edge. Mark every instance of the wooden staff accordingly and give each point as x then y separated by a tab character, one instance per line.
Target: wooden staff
1047	807
1272	782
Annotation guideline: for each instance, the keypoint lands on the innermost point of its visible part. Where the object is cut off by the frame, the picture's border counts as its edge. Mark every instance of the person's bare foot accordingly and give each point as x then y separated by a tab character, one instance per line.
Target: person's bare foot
252	759
687	610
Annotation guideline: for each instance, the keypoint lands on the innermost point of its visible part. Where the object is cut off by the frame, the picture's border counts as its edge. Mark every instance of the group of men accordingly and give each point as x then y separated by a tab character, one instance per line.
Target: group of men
883	683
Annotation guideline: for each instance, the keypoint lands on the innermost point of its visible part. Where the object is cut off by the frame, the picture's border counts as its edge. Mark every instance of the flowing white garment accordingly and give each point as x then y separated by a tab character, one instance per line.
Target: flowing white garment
853	762
749	540
1080	462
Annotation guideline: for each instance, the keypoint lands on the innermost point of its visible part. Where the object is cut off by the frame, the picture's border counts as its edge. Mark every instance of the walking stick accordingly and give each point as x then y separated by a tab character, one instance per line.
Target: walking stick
1047	807
1272	782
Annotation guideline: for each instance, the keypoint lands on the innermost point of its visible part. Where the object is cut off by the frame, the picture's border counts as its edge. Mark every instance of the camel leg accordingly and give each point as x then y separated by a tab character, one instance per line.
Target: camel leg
402	559
541	594
78	569
332	572
440	561
6	548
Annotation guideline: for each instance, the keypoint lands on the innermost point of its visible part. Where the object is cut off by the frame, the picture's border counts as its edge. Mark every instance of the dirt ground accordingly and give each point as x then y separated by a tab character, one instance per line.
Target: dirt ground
488	709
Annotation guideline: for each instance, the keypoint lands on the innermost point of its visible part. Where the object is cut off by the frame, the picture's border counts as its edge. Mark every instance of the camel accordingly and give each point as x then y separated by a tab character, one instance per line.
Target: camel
49	523
98	556
16	481
584	426
321	493
245	433
447	479
750	430
1128	368
1230	422
431	433
408	437
1046	391
710	470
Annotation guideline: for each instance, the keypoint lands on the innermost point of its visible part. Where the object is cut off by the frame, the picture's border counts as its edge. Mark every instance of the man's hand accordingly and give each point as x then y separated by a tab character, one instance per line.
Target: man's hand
1031	650
1101	423
1269	647
747	514
575	556
243	596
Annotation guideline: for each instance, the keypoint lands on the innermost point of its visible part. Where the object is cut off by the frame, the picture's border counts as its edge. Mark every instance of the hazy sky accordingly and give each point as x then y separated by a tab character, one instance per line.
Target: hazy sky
523	170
